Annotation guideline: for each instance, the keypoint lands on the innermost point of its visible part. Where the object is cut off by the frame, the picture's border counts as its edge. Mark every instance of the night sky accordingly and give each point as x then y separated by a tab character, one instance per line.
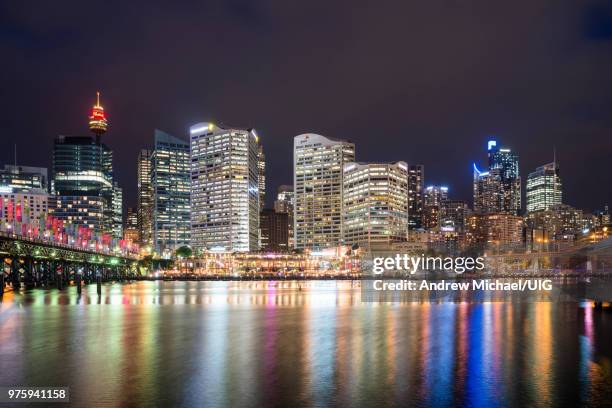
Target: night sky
425	82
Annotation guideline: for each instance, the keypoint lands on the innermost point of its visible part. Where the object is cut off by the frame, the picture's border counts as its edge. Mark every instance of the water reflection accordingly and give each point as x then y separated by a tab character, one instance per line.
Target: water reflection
301	343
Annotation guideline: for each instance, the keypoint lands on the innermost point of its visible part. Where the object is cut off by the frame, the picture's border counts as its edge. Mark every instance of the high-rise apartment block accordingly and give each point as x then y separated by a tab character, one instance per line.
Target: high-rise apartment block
317	179
375	204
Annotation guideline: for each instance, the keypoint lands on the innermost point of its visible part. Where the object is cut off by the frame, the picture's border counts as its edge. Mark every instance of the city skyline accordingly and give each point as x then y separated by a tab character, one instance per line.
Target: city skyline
432	93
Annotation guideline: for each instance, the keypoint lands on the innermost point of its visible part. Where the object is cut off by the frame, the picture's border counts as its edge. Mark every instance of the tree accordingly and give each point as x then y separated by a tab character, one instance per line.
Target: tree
184	252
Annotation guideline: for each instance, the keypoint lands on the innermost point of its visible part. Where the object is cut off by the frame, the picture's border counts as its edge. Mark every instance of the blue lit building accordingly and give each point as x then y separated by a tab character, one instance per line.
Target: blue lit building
498	189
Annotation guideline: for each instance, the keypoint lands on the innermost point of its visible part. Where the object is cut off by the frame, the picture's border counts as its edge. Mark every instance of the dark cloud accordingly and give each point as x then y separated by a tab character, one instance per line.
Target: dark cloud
419	81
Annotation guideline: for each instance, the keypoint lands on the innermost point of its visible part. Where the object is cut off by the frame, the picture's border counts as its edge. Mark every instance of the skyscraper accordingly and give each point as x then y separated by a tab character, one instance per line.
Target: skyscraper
284	203
317	179
170	187
375	204
130	230
80	182
498	190
432	201
145	198
544	188
416	178
261	169
224	188
117	200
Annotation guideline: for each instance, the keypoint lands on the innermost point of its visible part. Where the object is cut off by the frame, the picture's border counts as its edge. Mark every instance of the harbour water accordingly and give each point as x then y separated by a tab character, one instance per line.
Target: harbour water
301	344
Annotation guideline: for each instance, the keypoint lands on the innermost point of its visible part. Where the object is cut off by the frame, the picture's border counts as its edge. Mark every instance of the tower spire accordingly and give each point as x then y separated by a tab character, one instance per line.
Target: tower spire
97	119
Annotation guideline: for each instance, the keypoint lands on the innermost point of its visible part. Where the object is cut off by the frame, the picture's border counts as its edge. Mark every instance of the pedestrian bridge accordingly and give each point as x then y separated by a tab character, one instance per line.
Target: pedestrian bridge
34	262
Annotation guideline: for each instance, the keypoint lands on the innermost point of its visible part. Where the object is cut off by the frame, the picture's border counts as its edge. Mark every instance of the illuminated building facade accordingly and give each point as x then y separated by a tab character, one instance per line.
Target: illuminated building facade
81	182
432	200
23	178
170	193
416	180
498	190
317	179
130	230
145	198
117	202
224	188
500	231
22	211
375	204
544	189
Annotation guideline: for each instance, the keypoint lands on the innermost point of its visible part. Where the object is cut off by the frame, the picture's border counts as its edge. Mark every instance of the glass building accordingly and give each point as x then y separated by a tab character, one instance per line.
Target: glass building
224	188
416	179
544	188
498	190
82	182
318	164
170	193
375	204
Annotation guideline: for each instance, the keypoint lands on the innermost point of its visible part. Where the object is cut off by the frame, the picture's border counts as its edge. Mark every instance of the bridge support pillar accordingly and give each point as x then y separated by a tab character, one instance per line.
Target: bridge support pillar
77	281
15	274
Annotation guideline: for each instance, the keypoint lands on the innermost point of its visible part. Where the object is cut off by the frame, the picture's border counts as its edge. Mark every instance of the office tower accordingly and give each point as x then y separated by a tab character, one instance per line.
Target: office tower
145	198
170	193
416	178
261	183
23	178
453	215
544	188
130	230
375	204
80	182
274	230
284	203
317	179
224	188
498	190
117	216
432	199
